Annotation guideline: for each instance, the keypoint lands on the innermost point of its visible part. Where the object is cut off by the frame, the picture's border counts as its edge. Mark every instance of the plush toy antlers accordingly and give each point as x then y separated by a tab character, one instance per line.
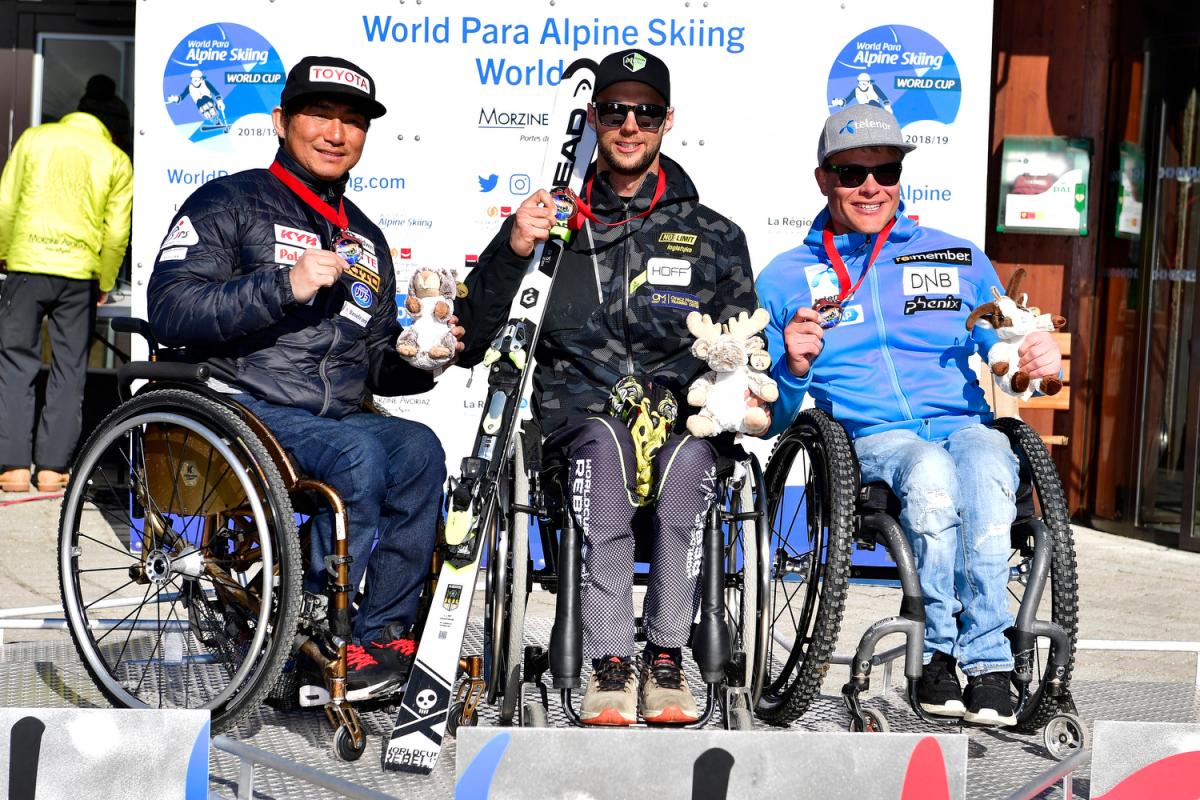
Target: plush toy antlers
1010	316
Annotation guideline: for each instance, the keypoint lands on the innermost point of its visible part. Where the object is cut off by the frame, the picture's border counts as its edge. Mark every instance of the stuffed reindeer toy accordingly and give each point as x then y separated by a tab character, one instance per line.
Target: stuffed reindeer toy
1013	319
738	360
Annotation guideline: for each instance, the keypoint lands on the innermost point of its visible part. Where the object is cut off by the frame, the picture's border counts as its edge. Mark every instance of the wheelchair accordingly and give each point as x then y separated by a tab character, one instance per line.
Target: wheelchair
826	511
729	636
180	558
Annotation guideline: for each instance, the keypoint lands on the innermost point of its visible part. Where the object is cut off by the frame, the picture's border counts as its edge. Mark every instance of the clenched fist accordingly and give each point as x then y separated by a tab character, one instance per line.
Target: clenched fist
535	217
315	270
803	339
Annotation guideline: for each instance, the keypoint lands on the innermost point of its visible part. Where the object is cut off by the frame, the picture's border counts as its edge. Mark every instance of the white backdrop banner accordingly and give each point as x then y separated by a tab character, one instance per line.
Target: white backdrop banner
469	85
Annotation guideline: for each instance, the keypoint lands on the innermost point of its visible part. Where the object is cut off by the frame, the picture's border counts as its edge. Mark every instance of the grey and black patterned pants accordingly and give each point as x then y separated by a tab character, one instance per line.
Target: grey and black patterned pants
600	490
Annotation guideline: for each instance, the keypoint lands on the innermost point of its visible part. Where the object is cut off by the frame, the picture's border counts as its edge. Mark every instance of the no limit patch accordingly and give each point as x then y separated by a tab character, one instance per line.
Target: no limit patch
678	242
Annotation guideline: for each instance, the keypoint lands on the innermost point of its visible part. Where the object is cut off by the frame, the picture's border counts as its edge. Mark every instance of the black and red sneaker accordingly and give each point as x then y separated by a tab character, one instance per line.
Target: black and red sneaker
394	652
367	677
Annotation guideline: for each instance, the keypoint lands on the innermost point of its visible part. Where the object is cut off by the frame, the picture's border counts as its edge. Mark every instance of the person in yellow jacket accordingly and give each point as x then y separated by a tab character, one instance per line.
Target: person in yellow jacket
65	198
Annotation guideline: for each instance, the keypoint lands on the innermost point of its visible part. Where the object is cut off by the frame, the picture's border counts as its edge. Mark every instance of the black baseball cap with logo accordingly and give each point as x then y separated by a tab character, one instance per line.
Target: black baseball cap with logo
336	77
634	65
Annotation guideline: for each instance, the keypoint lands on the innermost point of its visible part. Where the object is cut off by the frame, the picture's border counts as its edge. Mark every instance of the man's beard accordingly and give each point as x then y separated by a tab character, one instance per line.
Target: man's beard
611	155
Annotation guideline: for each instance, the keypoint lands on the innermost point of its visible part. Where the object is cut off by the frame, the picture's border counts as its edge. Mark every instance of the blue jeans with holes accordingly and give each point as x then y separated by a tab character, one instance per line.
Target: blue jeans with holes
957	500
389	472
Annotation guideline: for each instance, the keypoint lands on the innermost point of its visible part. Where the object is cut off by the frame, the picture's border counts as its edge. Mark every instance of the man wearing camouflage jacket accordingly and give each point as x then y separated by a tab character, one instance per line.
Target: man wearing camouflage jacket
645	253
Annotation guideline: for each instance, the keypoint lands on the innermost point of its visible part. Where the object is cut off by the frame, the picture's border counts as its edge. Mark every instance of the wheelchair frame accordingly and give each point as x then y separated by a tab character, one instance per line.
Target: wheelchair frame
268	620
1043	552
728	641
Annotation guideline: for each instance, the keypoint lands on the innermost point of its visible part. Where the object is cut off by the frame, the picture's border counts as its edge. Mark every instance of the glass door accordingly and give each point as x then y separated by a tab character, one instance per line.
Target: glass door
1170	376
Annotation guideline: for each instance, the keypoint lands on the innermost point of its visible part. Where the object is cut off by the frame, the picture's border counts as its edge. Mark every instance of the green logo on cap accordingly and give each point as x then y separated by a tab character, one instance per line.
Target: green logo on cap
634	61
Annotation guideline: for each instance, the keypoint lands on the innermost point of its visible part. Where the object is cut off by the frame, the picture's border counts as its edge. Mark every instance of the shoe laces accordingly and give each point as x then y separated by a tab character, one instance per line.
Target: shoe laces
666	672
404	646
613	674
358	658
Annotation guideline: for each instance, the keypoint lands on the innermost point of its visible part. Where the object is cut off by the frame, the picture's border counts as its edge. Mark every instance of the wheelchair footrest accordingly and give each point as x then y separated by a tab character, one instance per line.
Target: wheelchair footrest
313	696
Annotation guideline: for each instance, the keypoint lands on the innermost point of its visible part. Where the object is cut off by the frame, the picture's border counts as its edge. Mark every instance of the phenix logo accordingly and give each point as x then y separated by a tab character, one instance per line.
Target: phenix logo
850	125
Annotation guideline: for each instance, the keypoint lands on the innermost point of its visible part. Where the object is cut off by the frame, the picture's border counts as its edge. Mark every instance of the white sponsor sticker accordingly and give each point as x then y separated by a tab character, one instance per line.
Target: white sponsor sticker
355	314
930	280
370	262
822	281
297	237
286	254
851	315
341	75
669	271
181	234
367	244
173	254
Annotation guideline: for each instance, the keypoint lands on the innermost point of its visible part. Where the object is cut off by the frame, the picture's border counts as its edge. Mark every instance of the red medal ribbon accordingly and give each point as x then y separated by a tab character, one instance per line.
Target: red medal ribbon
289	180
585	207
845	291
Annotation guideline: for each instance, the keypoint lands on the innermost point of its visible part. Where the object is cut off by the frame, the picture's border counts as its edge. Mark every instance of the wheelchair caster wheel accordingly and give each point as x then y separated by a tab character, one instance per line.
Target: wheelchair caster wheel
533	715
739	719
454	718
873	722
1064	735
343	745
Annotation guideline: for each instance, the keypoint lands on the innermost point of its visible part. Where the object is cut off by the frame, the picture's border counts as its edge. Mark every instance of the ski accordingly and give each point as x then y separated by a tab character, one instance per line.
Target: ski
416	738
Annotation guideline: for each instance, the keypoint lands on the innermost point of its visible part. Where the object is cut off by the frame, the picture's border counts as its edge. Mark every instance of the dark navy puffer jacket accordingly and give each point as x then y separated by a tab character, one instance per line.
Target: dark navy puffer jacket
221	291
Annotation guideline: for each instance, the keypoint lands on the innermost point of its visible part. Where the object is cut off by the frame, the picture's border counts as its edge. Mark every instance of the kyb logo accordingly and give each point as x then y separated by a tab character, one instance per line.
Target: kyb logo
669	271
296	237
930	280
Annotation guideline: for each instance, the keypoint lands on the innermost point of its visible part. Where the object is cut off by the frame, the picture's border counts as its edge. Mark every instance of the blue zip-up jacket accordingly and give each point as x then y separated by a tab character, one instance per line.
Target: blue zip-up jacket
898	359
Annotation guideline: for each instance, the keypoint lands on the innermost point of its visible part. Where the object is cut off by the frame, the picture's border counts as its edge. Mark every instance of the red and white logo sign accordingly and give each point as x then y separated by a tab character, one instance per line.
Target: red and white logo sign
286	254
505	211
471	260
347	77
295	236
406	252
183	234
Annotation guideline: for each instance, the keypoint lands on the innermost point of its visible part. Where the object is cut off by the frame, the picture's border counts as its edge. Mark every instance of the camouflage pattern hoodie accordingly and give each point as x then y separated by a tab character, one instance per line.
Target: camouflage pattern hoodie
621	298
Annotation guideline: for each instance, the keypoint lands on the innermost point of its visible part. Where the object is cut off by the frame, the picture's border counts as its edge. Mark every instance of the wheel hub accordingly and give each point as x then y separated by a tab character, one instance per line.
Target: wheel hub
158	566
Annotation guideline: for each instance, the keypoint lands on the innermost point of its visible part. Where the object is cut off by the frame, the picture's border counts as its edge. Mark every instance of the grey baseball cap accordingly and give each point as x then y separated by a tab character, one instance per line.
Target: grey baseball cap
860	126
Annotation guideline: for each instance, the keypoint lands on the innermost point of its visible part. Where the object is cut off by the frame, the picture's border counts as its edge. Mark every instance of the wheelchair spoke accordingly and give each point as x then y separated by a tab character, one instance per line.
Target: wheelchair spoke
108	594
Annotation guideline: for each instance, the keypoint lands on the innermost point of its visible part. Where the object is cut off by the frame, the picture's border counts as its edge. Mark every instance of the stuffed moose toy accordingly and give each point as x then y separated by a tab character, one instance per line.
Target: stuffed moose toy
738	360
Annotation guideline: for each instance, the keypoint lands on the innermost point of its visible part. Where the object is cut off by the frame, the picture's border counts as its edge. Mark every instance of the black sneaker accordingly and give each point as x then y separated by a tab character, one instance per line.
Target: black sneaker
938	690
395	653
989	700
366	677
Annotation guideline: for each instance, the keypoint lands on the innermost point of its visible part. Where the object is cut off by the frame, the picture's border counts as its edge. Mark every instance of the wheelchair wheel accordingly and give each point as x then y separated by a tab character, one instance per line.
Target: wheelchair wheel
179	563
811	483
1038	472
747	578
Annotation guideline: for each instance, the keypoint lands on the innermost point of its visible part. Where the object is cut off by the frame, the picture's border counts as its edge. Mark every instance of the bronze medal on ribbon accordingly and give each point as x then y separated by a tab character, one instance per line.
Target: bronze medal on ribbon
829	310
349	248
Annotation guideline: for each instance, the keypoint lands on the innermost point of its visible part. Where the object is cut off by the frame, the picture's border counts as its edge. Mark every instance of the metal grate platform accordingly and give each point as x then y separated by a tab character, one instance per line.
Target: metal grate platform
49	674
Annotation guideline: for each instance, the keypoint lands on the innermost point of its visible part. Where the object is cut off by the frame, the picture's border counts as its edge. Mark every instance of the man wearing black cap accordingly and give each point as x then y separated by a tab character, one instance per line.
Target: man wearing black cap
286	289
644	254
869	316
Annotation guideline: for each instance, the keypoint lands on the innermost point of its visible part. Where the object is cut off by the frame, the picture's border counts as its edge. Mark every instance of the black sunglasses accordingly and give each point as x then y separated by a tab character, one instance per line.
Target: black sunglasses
649	116
854	175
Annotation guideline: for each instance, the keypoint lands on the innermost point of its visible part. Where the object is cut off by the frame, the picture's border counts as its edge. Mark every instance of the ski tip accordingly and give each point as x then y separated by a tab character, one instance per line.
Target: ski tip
580	64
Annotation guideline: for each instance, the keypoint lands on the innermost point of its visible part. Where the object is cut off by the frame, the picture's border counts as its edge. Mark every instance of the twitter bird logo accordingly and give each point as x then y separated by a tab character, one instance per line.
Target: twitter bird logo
488	183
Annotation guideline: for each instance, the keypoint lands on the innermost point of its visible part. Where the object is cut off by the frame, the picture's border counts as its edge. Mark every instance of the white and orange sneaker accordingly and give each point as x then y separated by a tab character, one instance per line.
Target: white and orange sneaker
666	697
611	694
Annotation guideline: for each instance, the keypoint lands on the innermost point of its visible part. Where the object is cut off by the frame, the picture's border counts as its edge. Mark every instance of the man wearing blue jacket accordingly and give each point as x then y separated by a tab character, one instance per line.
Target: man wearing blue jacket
868	315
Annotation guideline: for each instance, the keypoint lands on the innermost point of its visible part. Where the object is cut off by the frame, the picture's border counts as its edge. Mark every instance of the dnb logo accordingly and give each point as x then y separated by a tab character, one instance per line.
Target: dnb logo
900	69
220	77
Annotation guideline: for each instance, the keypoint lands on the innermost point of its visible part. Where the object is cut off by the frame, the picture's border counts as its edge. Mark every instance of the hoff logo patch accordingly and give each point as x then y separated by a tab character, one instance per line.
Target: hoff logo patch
923	303
679	301
361	294
930	280
296	237
679	242
950	255
669	271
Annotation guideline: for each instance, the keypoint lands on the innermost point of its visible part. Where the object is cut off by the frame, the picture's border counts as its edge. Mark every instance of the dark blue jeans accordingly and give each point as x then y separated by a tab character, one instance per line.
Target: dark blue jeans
389	472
